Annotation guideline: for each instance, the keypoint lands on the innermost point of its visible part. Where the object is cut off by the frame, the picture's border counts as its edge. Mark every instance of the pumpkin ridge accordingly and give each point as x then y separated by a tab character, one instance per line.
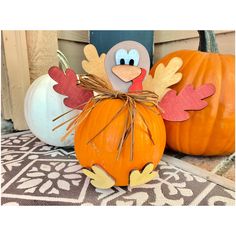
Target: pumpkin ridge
187	125
189	58
219	81
199	73
227	145
209	124
46	98
201	80
178	127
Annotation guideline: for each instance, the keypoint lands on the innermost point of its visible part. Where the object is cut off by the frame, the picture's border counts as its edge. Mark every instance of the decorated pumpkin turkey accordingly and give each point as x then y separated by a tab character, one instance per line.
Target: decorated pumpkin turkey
120	134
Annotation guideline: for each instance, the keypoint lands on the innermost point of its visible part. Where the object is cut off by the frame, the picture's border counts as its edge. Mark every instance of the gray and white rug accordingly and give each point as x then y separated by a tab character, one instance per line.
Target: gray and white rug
34	173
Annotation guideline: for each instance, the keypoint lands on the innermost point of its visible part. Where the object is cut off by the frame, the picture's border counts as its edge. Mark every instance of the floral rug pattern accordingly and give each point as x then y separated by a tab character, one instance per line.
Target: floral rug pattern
34	173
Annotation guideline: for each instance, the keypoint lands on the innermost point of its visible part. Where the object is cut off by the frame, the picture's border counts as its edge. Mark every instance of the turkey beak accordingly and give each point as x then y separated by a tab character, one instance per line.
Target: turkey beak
126	72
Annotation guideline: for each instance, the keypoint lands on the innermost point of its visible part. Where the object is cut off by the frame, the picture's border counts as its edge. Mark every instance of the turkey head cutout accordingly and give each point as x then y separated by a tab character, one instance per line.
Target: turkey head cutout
127	64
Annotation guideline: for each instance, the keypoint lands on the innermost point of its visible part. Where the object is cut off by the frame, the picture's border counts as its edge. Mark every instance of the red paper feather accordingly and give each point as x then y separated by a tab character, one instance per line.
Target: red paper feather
77	96
189	99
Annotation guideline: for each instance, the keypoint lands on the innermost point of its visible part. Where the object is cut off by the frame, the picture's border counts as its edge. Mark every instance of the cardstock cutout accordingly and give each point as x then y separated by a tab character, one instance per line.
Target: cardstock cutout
110	61
94	64
67	85
100	178
141	177
137	83
127	57
189	99
164	77
126	72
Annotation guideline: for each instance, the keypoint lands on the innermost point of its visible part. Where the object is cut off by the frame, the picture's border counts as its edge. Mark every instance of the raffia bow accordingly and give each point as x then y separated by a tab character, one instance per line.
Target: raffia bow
146	98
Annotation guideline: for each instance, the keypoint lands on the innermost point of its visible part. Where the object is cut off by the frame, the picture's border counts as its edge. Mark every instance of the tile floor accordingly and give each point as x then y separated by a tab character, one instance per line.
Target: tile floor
219	165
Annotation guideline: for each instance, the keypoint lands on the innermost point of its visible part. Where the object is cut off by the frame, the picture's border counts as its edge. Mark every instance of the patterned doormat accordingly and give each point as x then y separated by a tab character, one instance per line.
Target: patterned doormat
34	173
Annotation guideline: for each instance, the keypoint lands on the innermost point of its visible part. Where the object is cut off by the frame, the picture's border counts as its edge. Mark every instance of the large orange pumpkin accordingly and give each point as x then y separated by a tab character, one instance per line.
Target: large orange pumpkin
103	150
210	131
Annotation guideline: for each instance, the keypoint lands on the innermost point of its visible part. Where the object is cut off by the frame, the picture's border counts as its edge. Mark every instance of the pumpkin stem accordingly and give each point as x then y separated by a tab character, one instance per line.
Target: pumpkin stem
207	41
63	61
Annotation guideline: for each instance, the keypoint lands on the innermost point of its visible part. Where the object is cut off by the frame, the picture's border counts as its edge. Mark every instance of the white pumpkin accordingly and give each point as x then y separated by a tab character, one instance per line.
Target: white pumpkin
42	105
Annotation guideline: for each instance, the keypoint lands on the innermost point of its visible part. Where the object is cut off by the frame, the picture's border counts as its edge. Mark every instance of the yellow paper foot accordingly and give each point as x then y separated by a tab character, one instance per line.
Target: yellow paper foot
100	178
139	178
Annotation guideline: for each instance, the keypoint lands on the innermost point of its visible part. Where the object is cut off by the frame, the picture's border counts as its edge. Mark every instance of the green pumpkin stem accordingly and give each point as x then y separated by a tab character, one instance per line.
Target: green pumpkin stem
207	41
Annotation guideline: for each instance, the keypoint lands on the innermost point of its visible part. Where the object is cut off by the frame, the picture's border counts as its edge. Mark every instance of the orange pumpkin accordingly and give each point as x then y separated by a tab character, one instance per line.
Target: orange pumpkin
103	149
211	130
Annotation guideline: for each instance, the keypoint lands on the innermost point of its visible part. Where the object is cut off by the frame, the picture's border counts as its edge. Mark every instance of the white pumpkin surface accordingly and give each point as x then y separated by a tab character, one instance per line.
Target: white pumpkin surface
42	105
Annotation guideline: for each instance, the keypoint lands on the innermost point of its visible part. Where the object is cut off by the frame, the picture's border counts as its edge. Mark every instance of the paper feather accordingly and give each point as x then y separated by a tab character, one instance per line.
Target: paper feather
175	106
164	77
67	85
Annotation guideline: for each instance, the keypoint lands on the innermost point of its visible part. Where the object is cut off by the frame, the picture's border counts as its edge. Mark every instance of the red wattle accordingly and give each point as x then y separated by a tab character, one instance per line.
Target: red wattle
137	82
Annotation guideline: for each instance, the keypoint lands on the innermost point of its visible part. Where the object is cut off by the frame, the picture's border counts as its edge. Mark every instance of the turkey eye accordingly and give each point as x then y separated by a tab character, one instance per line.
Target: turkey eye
131	62
122	61
133	57
121	57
